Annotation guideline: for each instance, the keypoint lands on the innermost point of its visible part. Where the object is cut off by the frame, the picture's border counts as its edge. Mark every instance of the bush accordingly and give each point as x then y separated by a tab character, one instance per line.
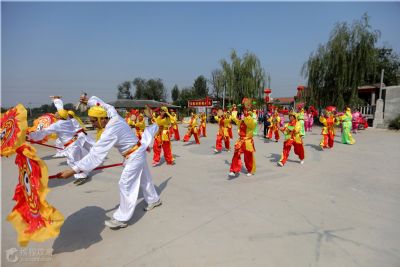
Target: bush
395	123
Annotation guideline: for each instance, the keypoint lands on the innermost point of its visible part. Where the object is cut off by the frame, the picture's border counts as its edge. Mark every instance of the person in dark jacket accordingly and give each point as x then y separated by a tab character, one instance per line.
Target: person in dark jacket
266	122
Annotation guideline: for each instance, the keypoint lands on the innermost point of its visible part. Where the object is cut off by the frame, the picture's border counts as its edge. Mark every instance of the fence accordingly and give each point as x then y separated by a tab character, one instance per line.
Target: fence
367	111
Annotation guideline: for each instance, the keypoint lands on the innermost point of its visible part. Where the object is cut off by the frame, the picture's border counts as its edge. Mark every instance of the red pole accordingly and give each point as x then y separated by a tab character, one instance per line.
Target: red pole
58	175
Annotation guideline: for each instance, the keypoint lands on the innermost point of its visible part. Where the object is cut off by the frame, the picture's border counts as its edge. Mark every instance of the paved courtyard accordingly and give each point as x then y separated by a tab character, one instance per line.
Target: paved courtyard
341	208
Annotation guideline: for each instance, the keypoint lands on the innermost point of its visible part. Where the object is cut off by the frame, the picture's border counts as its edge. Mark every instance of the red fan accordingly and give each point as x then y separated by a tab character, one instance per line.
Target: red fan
300	106
331	108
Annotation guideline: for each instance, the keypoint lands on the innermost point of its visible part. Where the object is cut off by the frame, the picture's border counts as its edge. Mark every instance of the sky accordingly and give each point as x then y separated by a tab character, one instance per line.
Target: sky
64	48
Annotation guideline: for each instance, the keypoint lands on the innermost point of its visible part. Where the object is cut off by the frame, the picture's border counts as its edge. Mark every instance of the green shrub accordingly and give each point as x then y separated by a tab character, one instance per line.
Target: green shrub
395	123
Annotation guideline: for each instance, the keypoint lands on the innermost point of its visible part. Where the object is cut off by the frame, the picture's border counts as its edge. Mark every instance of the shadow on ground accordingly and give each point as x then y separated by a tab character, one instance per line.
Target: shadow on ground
190	143
316	147
83	228
276	157
243	171
60	182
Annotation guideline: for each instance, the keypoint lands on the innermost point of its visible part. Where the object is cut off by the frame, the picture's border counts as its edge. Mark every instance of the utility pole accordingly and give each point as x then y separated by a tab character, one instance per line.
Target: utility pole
380	87
378	116
223	99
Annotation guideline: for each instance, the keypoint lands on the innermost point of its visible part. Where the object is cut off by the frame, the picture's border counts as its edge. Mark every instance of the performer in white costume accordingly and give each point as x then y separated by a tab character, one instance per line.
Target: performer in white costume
80	129
60	152
65	130
136	173
86	140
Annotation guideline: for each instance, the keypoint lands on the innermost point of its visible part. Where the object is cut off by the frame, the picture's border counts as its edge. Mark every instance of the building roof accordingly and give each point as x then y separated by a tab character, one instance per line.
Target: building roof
132	103
370	87
283	100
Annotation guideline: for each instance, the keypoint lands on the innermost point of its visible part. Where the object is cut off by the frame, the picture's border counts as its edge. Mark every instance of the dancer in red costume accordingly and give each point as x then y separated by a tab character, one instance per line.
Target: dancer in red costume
162	139
203	124
328	127
174	130
245	143
275	120
222	133
292	132
192	129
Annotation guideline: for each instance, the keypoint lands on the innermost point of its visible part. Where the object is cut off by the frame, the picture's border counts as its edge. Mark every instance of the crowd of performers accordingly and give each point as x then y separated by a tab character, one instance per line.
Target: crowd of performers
132	137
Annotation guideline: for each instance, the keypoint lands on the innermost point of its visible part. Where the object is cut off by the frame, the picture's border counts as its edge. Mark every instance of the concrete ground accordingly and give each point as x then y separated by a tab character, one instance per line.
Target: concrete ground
341	208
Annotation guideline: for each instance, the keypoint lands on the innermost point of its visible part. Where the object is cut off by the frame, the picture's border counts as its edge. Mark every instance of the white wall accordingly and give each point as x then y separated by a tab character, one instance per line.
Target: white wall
392	103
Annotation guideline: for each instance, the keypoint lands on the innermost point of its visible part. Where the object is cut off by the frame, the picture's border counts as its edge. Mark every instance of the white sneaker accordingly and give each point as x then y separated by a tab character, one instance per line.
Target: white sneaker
280	164
153	205
216	151
232	174
115	224
249	174
302	162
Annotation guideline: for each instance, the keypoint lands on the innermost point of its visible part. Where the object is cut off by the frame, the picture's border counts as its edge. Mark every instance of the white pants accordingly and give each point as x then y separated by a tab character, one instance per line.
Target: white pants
135	175
87	141
74	153
60	152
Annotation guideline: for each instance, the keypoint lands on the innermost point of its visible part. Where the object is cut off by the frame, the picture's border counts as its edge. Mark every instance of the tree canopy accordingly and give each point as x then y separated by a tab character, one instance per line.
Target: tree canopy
241	77
150	89
388	60
200	87
175	93
348	60
124	91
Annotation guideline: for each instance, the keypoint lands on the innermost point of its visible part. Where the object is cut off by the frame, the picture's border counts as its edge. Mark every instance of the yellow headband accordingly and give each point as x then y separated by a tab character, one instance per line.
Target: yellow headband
97	112
63	113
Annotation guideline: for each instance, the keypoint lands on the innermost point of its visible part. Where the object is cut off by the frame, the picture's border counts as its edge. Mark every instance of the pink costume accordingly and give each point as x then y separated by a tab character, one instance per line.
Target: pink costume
356	121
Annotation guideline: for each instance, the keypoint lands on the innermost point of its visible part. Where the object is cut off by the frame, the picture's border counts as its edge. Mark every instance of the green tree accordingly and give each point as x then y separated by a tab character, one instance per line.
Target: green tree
217	82
200	87
185	95
243	77
124	91
388	60
345	62
48	108
152	89
140	85
175	93
155	90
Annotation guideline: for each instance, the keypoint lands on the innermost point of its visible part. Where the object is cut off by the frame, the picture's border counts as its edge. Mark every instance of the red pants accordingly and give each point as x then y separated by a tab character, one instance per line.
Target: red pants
298	150
249	159
327	140
189	134
175	133
271	132
203	130
218	144
230	133
166	146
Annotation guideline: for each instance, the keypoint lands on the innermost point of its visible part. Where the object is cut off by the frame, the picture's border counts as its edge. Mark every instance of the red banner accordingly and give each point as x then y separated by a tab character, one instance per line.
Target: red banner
207	102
